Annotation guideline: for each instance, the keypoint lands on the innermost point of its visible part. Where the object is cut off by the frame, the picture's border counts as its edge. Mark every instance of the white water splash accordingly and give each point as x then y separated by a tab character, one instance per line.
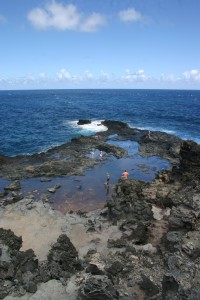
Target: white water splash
94	126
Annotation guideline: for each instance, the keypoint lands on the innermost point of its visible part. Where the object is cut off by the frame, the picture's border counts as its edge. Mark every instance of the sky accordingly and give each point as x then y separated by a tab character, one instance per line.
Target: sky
127	44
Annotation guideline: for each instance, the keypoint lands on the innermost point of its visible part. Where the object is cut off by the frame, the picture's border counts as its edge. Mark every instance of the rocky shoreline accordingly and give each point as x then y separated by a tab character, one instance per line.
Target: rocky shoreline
144	244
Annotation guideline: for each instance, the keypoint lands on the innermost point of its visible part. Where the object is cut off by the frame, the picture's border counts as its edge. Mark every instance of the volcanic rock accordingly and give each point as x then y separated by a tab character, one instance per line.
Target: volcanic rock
98	287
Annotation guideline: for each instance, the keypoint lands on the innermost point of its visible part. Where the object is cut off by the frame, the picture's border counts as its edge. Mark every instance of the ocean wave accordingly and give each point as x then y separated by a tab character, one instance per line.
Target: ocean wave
40	150
153	129
182	135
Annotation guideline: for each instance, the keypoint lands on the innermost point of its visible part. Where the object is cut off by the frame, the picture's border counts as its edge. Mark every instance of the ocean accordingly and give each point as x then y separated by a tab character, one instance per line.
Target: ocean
33	121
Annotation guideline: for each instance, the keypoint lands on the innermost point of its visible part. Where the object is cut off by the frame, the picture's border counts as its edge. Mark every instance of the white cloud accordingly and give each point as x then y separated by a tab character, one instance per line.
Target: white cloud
93	22
135	76
192	75
64	17
88	75
42	76
30	77
62	75
130	15
169	78
129	79
55	15
104	76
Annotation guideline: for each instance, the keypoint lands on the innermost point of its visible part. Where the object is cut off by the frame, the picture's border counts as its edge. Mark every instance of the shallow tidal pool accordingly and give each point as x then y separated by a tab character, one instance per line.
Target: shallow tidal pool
89	191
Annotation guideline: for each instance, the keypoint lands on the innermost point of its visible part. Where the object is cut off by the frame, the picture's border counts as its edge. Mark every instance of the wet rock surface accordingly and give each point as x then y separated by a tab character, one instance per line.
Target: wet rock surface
144	244
71	158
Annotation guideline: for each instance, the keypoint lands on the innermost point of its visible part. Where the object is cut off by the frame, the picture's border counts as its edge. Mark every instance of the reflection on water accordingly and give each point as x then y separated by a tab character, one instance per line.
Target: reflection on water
89	192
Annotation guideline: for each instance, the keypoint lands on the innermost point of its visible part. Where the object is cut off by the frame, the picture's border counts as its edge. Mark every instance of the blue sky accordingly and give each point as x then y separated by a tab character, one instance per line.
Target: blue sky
99	44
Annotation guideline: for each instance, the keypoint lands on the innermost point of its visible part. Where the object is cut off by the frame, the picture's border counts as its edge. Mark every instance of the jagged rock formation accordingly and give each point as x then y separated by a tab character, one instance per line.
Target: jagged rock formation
154	249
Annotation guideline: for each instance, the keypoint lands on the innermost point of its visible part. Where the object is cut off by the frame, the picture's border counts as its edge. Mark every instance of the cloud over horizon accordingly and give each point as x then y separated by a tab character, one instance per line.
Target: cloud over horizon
193	75
129	79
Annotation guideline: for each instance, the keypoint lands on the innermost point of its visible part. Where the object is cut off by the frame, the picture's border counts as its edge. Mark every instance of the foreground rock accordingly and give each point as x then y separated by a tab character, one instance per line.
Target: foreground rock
179	244
144	244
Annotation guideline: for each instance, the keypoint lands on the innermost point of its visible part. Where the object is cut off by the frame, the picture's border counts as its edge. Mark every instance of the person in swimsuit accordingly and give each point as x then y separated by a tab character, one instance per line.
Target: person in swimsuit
108	179
125	174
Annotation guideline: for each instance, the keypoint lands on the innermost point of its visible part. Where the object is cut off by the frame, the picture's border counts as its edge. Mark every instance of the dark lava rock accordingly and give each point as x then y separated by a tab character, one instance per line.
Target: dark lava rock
116	125
115	268
83	122
191	244
148	286
185	285
18	269
94	270
169	288
63	258
190	156
172	240
25	261
182	217
7	237
98	287
137	231
127	200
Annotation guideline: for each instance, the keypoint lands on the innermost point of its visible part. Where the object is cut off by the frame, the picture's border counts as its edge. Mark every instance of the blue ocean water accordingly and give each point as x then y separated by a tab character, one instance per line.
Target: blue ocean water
34	121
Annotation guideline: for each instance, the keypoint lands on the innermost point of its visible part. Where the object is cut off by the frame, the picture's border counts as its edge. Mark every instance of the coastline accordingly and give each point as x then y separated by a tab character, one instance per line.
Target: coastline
138	245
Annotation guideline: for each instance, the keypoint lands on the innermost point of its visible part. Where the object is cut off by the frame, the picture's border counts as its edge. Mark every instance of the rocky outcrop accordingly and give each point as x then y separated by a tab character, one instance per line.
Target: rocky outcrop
98	287
127	202
190	156
83	122
71	158
63	259
181	243
20	271
13	186
153	250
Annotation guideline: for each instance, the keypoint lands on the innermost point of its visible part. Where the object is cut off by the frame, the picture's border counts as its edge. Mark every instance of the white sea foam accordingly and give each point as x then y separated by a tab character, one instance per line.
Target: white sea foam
94	126
153	129
182	135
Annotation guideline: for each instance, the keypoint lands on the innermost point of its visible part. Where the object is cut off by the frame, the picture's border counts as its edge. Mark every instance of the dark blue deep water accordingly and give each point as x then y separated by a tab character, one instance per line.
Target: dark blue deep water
34	121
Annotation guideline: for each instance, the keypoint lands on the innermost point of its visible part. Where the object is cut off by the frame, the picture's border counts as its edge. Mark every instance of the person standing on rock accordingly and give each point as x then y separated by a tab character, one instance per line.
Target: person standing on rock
108	179
125	174
101	154
106	183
